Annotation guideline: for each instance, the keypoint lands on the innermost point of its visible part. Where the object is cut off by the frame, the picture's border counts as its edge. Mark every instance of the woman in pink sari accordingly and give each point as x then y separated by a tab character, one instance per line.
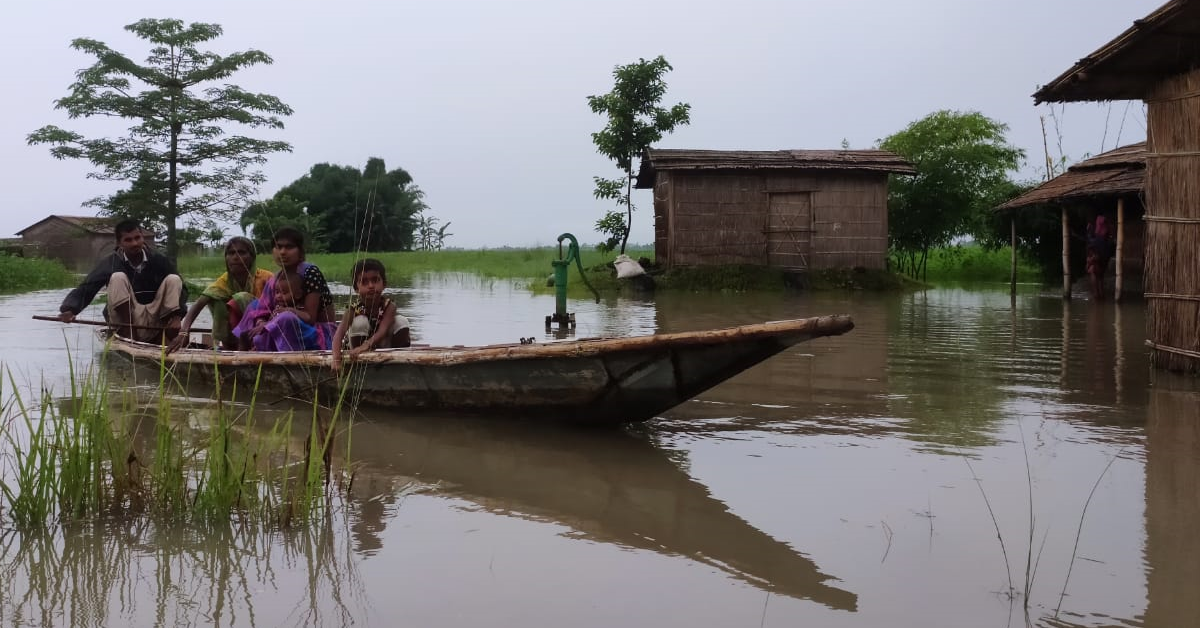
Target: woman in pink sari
307	327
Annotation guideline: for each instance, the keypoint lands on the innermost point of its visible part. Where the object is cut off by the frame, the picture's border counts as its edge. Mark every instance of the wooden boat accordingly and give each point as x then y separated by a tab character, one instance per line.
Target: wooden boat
599	380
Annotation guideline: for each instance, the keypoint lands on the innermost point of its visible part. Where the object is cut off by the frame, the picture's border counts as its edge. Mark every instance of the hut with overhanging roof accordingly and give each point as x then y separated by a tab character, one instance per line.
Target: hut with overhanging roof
1157	60
792	209
1111	183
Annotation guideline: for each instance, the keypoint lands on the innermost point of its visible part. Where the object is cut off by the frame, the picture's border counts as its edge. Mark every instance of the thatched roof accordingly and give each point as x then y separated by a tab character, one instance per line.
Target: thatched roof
657	159
1163	44
1118	172
90	224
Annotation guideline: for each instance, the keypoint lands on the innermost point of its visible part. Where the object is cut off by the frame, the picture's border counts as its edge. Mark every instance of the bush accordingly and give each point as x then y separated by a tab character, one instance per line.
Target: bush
22	274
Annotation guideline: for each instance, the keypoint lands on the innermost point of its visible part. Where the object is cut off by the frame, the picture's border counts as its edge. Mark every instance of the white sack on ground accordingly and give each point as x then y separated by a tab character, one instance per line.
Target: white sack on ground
627	268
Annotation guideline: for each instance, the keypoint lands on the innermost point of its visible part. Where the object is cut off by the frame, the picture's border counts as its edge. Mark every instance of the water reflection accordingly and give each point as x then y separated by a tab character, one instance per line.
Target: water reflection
609	487
1173	502
827	481
138	573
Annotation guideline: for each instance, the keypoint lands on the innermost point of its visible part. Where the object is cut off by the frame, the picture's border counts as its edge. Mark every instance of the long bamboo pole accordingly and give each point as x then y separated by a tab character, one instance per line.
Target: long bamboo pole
1066	263
80	321
1119	288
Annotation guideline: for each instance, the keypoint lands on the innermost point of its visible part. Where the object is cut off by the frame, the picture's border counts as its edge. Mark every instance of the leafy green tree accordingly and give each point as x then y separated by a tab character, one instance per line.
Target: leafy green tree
189	235
262	219
1039	232
369	210
635	122
214	234
144	200
962	161
180	103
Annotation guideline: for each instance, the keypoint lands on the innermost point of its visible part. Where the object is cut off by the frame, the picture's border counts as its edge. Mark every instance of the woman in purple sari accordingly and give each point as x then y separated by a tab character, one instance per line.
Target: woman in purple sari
307	327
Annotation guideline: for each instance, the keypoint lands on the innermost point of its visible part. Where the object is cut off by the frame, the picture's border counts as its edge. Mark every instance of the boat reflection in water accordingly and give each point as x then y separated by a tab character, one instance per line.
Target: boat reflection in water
608	486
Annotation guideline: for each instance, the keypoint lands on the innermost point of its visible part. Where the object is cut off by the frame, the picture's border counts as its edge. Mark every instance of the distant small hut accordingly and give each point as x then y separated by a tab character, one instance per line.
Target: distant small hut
791	209
1157	60
1112	184
78	241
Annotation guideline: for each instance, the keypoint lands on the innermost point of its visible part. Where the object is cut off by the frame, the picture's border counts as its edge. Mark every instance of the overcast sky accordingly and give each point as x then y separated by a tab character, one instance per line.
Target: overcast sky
484	103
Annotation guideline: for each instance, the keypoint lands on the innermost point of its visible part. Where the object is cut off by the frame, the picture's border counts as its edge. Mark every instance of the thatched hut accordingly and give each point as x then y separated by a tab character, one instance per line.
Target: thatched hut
1157	60
77	241
1112	184
791	209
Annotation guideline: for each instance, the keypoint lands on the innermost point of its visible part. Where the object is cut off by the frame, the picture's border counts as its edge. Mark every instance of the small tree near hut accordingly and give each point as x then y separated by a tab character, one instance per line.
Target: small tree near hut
635	122
962	161
178	149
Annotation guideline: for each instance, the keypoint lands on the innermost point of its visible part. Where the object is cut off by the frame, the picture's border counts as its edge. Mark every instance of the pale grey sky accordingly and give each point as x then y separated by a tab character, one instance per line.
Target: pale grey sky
484	102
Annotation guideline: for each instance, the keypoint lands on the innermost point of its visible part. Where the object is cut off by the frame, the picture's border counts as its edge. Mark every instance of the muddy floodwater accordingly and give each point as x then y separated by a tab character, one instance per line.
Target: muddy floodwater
959	459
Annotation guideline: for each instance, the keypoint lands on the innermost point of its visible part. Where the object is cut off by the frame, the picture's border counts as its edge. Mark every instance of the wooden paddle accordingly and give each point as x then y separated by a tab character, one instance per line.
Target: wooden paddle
81	321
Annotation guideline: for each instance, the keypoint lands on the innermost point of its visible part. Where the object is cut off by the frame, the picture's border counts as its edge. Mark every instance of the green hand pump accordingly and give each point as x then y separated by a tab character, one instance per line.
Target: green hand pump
561	317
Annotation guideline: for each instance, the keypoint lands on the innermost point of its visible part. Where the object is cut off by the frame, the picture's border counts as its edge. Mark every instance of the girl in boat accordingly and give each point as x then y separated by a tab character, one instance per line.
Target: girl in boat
315	304
229	295
289	328
371	321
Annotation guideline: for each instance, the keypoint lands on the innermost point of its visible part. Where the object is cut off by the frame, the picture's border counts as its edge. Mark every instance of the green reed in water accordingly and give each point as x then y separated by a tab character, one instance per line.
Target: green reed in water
21	274
89	456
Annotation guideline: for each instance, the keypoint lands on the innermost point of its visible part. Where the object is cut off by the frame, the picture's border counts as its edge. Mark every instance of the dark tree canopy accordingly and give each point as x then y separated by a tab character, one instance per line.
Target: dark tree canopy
963	161
635	122
346	209
179	156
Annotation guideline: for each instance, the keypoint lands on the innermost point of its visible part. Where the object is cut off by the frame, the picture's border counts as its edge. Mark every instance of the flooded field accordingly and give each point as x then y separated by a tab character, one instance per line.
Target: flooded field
861	480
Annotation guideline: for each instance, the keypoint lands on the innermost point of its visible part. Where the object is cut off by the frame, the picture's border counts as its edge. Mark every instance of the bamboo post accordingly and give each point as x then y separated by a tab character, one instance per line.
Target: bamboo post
1066	260
1119	288
1012	287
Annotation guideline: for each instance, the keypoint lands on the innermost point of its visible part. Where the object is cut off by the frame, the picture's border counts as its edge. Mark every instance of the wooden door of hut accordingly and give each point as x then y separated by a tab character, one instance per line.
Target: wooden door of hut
789	230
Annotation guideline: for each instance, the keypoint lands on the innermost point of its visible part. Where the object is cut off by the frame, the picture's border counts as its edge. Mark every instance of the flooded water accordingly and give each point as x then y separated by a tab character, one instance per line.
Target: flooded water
862	480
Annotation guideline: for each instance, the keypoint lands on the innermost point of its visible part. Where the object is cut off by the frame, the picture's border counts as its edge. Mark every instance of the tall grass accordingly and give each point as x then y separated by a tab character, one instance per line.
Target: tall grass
22	274
971	262
90	456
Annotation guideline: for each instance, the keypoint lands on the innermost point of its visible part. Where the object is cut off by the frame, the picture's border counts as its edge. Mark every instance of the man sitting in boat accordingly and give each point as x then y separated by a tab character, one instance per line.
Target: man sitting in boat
314	299
371	320
146	297
229	295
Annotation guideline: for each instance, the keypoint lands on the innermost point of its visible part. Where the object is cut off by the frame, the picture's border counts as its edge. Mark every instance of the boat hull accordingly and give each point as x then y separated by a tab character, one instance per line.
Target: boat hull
605	380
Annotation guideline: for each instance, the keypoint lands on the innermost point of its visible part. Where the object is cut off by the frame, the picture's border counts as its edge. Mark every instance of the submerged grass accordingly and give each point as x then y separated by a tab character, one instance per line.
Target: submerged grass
88	457
972	262
22	274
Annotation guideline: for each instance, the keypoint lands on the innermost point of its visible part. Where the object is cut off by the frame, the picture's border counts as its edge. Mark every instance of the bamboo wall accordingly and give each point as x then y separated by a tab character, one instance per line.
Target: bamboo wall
704	218
1173	223
74	247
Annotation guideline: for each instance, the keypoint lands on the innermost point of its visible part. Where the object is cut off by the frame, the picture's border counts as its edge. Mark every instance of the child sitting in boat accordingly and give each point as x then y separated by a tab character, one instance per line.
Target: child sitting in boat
289	328
371	320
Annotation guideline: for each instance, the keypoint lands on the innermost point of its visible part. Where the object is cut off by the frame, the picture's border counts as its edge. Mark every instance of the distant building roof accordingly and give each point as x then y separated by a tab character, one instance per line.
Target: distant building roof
1163	44
1117	172
92	224
657	159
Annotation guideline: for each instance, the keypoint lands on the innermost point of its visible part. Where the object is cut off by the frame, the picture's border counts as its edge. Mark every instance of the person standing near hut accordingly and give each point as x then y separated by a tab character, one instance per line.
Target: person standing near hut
229	295
146	296
1099	251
